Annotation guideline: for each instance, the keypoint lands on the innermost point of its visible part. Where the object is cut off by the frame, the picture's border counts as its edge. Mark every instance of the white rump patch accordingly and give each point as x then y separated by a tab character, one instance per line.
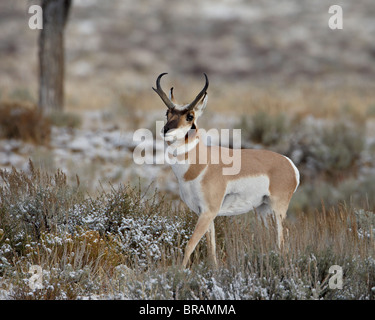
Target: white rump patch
296	173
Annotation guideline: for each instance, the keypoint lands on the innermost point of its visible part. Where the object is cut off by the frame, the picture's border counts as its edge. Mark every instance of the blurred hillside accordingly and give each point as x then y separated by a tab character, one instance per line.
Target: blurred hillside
123	44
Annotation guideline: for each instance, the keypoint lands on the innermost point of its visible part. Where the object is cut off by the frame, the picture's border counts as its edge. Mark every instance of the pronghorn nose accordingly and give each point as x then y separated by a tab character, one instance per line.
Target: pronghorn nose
165	129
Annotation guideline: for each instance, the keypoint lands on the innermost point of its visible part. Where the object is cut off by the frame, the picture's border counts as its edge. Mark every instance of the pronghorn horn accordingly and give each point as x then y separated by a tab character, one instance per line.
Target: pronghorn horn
199	96
162	94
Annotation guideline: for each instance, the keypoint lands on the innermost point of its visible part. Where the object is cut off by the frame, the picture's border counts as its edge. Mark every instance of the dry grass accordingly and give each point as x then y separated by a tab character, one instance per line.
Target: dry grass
23	120
128	244
234	98
246	98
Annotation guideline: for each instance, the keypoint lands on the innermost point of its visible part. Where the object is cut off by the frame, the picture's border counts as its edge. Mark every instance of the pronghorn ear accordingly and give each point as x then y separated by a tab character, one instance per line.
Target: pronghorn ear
201	105
171	97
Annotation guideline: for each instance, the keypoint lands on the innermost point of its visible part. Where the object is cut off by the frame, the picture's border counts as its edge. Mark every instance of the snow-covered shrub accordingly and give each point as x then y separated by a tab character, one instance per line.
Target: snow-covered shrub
145	228
264	128
127	244
324	147
34	203
337	148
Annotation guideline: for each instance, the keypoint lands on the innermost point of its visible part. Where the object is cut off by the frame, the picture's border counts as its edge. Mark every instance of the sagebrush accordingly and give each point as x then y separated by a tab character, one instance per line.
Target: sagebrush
128	244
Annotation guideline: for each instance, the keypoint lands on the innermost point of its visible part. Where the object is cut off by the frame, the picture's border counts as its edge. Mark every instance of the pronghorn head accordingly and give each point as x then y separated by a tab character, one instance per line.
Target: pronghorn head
181	118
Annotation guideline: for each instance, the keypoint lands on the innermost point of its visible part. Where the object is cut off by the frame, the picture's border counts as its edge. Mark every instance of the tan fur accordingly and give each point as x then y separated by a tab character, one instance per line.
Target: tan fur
254	163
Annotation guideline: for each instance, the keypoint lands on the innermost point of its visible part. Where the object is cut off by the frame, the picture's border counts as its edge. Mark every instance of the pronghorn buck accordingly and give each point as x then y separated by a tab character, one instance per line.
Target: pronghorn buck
264	181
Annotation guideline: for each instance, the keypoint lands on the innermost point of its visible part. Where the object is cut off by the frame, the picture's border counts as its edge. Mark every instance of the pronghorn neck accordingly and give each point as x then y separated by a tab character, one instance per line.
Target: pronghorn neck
186	152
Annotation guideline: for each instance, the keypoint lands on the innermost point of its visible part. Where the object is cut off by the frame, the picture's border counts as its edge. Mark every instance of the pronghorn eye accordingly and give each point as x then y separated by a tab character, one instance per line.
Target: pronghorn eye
189	117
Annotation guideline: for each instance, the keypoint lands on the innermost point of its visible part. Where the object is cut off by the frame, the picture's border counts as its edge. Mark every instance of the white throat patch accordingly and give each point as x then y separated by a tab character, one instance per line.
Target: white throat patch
182	149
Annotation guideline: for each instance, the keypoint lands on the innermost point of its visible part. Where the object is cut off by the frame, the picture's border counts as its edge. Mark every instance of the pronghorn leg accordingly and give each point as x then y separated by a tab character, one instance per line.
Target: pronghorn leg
278	212
203	224
211	243
280	207
263	212
280	234
280	215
